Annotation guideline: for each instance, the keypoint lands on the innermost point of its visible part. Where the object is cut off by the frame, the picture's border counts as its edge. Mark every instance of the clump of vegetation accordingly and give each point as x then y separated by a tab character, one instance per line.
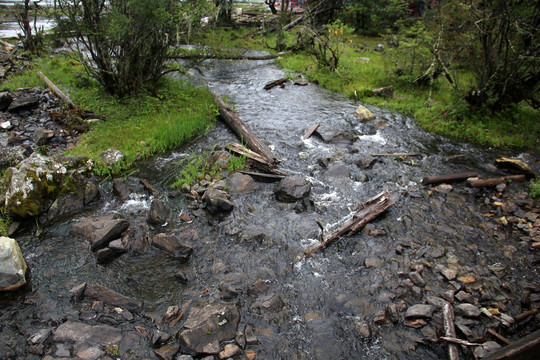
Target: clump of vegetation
534	188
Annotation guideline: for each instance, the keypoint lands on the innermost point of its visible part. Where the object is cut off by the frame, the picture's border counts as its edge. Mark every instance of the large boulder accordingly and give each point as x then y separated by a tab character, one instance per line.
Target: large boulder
241	184
12	265
24	103
102	230
206	327
37	182
292	188
12	155
159	213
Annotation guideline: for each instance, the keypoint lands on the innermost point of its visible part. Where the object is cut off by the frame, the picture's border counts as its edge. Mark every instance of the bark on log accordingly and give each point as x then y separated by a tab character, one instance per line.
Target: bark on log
264	177
476	182
293	23
525	348
370	210
525	315
226	57
243	132
310	131
450	330
56	90
242	151
499	337
273	84
439	179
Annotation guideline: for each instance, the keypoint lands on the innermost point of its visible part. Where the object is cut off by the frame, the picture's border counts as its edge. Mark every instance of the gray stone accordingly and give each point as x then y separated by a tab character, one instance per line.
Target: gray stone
77	292
42	136
112	157
23	103
12	156
121	190
387	91
464	297
301	82
40	337
337	171
335	136
159	213
292	188
105	254
420	311
241	184
117	246
5	100
217	201
173	245
12	265
449	274
100	231
207	326
110	297
435	301
468	310
485	349
416	278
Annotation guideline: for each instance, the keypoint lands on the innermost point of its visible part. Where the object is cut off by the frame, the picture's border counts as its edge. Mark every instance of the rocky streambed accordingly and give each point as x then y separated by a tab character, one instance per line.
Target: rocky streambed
130	268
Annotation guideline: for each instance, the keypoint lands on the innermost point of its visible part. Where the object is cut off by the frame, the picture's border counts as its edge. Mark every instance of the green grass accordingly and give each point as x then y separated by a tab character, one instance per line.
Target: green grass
534	188
140	126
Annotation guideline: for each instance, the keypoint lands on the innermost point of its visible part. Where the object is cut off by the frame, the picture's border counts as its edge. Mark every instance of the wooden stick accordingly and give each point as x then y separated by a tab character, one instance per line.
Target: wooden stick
56	90
525	315
454	340
241	150
499	336
524	348
371	209
243	132
476	182
310	131
450	330
448	178
397	154
263	176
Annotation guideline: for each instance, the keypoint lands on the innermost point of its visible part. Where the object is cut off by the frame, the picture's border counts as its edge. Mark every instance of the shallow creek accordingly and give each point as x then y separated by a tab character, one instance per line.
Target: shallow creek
332	298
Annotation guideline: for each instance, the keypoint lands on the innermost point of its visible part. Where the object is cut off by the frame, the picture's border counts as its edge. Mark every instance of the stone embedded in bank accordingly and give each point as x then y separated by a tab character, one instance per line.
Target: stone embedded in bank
12	265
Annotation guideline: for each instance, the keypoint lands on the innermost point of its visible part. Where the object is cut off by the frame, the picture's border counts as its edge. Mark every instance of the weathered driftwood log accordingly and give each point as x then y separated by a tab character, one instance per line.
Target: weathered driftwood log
499	337
525	348
242	151
370	210
525	315
243	132
450	330
227	56
476	182
56	90
264	177
310	131
515	164
439	179
275	83
454	340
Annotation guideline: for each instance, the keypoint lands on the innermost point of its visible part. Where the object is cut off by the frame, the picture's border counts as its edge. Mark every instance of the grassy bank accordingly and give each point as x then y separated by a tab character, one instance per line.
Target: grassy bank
437	108
141	126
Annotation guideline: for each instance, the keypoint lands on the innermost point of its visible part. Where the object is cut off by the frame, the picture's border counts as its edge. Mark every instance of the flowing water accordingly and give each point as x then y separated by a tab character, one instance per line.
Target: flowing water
329	298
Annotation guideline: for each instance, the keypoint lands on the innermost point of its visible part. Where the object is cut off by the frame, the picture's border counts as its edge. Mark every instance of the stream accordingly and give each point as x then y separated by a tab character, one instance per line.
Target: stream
330	300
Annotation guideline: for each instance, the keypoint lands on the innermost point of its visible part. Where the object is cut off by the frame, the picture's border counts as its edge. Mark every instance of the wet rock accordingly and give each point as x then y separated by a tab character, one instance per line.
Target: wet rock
292	188
381	318
337	171
136	240
100	231
335	136
229	351
111	157
207	326
121	190
110	297
5	100
362	328
435	301
24	103
364	114
448	296
167	352
259	287
42	136
416	278
12	155
117	246
420	311
173	245
449	274
87	341
181	276
372	262
464	297
40	337
366	163
105	254
272	303
159	213
239	183
251	338
187	357
485	349
160	337
34	185
77	292
12	265
416	324
301	82
468	310
217	201
240	339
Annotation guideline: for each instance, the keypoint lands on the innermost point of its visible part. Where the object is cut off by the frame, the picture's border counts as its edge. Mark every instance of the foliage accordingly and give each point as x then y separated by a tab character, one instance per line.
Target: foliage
31	37
373	16
5	220
534	188
126	41
140	126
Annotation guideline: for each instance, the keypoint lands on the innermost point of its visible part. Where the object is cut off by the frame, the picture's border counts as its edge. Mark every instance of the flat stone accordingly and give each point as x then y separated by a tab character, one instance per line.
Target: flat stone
420	311
100	231
24	103
173	245
229	351
167	352
468	310
101	293
217	201
239	183
449	274
292	188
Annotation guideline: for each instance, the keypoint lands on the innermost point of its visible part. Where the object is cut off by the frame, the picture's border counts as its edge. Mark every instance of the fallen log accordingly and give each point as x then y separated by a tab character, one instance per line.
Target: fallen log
370	210
525	348
476	182
273	84
243	132
525	315
56	90
450	330
310	131
515	164
499	337
242	151
264	177
439	179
